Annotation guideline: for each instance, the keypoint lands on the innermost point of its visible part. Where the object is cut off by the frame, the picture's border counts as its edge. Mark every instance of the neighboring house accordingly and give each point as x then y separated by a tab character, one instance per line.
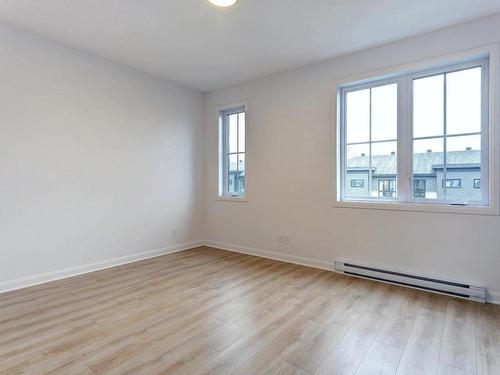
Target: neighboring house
463	176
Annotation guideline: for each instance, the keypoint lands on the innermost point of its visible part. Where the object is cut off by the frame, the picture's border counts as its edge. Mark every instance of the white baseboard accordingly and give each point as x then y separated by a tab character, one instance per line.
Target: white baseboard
92	267
492	297
288	258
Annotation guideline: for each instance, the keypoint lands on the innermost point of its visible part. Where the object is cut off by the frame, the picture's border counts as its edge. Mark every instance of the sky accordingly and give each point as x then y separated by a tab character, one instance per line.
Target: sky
463	113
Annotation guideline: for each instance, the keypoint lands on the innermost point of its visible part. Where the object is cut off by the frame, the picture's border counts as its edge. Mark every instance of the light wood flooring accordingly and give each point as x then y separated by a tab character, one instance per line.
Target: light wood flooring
208	311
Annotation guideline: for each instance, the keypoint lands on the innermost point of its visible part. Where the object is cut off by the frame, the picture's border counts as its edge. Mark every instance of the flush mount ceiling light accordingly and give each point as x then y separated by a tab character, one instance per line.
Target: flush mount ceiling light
223	3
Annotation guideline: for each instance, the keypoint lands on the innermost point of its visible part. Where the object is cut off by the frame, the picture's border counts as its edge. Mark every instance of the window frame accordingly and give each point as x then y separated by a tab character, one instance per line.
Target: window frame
222	189
405	73
376	82
354	186
451	183
482	62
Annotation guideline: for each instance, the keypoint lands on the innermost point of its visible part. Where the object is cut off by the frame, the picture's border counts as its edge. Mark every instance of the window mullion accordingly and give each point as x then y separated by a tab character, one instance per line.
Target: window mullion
485	136
445	133
226	154
370	147
404	139
236	183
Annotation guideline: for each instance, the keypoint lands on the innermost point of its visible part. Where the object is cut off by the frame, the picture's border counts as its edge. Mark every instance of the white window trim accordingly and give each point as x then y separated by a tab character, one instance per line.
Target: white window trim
393	73
220	147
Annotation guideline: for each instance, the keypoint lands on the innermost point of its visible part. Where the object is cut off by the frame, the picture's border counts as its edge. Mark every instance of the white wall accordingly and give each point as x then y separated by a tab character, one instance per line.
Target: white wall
289	186
97	161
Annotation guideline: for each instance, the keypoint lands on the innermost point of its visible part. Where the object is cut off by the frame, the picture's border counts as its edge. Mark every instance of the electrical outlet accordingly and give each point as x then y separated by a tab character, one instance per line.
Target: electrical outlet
286	239
174	232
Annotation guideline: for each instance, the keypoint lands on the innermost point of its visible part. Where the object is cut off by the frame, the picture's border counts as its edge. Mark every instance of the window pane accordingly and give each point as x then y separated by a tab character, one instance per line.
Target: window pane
388	150
463	165
463	101
240	181
356	171
357	155
358	116
384	112
233	133
465	143
232	174
428	163
241	162
384	169
232	146
428	103
241	132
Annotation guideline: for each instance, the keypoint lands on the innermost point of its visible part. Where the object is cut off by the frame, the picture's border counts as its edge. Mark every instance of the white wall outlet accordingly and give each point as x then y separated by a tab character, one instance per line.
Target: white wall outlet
284	238
174	232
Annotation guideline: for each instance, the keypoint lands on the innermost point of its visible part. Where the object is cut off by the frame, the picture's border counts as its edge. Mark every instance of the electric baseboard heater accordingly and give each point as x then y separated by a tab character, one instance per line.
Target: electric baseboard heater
451	288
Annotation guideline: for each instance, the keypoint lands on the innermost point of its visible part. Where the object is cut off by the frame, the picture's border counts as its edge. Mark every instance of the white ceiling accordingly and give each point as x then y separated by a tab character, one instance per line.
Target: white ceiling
203	47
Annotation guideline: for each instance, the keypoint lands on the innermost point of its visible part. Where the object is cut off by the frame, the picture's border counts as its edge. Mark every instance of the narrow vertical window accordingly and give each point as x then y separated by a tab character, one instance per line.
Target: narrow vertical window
371	122
232	150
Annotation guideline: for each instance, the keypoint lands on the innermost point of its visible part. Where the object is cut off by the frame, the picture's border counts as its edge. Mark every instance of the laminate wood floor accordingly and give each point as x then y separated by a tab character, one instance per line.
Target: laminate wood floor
208	311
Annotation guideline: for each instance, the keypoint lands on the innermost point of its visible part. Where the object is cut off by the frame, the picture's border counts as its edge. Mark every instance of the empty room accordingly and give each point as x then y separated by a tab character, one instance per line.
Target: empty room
261	187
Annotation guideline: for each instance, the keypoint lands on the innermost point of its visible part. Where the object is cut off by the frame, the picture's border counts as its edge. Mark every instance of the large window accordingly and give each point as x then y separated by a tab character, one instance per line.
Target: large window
408	134
232	163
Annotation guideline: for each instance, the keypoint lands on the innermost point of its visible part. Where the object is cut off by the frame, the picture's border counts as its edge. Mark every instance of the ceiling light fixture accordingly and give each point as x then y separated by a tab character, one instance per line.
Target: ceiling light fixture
223	3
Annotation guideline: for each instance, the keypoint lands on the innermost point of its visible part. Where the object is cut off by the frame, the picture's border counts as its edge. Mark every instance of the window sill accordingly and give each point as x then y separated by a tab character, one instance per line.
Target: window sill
232	199
418	207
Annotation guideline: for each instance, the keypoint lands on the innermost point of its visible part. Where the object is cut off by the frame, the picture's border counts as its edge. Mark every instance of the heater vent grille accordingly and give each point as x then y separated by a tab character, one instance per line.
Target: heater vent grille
456	289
